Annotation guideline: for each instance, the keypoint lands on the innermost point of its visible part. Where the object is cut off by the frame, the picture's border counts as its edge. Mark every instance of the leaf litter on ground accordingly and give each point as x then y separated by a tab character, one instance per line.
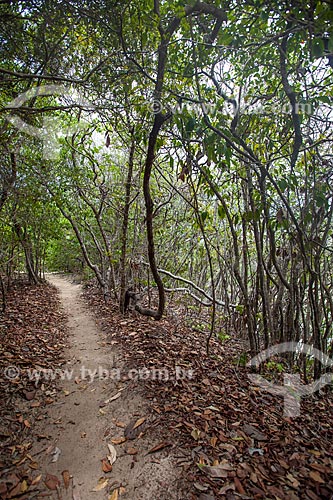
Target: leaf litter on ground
230	439
32	340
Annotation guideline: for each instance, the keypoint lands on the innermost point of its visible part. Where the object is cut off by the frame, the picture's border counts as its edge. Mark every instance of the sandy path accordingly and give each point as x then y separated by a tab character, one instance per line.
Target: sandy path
78	426
81	425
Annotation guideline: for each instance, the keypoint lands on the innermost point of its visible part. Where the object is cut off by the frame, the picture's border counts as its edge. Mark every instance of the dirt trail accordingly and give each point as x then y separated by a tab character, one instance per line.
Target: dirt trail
82	421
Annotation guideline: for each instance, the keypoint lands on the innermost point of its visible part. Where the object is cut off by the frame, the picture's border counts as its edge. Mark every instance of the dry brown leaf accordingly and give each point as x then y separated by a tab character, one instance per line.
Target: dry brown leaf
119	440
218	471
132	451
29	395
106	466
229	447
200	487
254	433
120	424
213	441
36	480
159	447
316	477
102	483
196	434
51	482
3	489
134	428
24	486
139	422
114	495
66	478
15	491
239	486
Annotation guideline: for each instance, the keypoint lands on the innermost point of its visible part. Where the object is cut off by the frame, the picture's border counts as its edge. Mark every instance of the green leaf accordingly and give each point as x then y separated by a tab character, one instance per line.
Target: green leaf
190	124
283	184
221	211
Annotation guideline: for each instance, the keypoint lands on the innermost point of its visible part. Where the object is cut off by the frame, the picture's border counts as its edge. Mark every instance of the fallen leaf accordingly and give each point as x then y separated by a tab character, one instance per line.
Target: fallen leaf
15	491
159	447
51	482
134	428
226	488
316	453
218	471
254	433
66	478
213	441
200	487
196	434
118	440
132	451
316	477
3	489
139	422
229	447
120	424
106	466
293	480
239	486
114	495
24	486
36	480
29	395
102	483
113	454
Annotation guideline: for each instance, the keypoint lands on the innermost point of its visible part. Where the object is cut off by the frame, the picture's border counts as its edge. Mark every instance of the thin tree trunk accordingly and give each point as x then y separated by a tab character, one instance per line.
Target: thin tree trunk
125	224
